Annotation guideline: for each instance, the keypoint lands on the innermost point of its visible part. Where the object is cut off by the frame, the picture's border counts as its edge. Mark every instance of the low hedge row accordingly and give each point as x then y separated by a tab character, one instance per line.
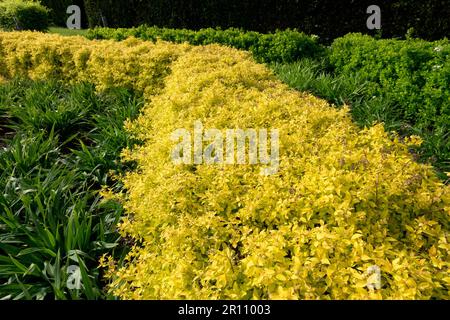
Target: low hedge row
132	64
280	46
23	15
414	74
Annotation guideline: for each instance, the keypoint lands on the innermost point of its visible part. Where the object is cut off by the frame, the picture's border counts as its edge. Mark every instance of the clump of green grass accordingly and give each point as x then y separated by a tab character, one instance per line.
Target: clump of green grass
68	32
312	76
62	142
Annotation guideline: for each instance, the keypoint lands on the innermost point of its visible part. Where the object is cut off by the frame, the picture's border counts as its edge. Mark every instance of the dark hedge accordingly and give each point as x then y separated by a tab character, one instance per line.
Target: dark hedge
328	19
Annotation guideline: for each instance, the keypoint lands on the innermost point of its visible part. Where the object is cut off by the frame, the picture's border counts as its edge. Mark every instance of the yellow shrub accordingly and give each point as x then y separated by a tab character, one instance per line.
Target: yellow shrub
343	200
131	64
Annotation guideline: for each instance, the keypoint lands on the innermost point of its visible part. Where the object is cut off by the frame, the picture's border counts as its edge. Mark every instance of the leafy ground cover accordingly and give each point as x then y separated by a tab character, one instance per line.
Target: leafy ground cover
60	145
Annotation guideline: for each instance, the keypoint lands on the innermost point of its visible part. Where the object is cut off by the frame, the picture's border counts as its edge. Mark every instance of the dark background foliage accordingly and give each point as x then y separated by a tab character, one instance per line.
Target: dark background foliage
328	19
58	8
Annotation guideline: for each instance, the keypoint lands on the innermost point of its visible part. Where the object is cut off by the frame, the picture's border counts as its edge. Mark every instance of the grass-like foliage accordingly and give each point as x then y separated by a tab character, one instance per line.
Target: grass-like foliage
67	32
59	146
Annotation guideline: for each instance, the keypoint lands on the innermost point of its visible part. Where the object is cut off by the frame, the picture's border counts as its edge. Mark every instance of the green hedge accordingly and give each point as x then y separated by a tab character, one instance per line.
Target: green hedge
280	46
414	74
23	15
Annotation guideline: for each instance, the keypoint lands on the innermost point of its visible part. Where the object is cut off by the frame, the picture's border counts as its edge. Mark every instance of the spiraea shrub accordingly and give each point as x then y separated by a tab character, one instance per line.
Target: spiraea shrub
131	64
344	201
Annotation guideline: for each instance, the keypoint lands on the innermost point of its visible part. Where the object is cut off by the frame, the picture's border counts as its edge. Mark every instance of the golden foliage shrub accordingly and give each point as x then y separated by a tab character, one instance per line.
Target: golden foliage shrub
344	199
132	64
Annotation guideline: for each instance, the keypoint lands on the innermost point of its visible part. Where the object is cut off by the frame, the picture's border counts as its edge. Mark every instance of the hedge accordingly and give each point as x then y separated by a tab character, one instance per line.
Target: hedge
344	199
414	74
328	19
280	46
23	15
